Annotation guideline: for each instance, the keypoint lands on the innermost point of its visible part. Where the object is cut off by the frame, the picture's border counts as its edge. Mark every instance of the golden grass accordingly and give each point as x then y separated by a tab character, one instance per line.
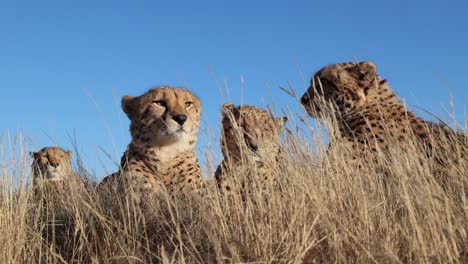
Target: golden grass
328	209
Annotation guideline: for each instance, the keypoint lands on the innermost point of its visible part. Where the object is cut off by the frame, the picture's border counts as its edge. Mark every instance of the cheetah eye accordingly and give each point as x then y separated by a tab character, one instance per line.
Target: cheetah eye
188	104
160	103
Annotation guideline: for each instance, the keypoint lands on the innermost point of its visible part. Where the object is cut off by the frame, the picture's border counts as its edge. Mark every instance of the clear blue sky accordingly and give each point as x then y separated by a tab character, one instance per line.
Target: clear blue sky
64	65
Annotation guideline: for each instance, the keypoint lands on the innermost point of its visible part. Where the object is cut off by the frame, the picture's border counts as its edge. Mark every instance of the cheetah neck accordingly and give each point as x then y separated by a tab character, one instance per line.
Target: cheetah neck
382	104
158	160
383	95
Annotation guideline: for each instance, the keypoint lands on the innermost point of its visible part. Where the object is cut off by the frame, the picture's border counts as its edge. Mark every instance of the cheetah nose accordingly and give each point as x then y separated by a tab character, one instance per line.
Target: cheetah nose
55	165
180	119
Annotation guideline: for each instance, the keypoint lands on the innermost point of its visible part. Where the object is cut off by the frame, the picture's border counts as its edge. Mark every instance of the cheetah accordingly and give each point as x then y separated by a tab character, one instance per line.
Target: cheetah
370	116
52	172
57	191
164	124
51	164
249	134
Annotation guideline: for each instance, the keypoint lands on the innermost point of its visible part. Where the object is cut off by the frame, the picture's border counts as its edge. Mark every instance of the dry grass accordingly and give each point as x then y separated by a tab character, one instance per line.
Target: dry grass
406	209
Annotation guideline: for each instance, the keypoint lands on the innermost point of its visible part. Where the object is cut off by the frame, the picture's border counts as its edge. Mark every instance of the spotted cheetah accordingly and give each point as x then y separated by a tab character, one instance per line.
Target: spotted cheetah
57	192
249	134
52	171
51	164
369	113
161	156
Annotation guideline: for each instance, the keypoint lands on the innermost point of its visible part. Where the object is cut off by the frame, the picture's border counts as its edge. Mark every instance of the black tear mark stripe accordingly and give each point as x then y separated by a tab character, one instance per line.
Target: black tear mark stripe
146	111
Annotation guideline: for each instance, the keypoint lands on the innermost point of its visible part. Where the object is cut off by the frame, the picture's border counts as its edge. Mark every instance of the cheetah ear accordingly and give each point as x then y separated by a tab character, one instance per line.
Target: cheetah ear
229	109
128	105
35	155
367	70
69	153
281	121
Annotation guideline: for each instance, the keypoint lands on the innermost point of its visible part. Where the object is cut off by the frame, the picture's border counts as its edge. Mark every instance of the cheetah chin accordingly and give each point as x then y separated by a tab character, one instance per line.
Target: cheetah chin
172	136
55	176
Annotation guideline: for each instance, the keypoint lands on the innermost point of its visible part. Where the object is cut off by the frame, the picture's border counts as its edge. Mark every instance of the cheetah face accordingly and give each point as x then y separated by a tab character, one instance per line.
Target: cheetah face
51	164
344	85
163	116
250	131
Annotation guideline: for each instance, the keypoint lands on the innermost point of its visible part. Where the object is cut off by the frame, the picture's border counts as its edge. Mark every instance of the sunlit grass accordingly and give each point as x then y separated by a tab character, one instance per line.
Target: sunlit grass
328	208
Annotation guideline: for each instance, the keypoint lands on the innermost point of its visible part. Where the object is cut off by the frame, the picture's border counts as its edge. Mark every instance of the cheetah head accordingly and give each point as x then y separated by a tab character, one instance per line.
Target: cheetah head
51	164
250	131
163	116
344	85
